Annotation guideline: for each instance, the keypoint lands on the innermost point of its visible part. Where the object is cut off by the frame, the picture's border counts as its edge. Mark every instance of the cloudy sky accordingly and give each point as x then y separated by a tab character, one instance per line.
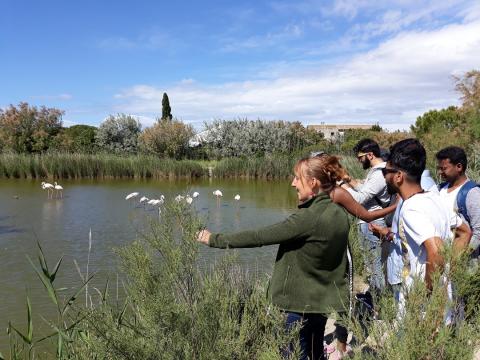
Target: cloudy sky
339	61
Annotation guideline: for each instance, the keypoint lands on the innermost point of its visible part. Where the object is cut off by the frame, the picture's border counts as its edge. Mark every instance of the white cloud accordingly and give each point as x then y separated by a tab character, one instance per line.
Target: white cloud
391	84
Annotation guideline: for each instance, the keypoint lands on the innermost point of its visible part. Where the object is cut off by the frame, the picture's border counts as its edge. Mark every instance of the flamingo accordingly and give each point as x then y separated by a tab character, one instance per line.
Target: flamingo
58	189
179	198
49	187
189	199
218	194
237	197
195	194
131	196
143	200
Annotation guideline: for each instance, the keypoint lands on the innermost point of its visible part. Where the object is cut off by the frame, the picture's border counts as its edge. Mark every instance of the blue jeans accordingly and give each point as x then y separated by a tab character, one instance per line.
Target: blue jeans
311	334
373	250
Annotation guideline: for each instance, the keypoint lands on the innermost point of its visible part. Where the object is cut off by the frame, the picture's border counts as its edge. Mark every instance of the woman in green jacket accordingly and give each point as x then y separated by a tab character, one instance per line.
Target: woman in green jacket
309	279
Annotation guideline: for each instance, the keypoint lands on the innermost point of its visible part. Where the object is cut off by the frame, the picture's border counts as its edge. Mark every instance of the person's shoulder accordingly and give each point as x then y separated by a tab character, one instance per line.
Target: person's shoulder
423	200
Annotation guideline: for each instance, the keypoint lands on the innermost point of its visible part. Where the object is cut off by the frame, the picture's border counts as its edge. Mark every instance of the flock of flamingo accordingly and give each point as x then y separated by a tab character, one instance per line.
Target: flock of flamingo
144	201
58	189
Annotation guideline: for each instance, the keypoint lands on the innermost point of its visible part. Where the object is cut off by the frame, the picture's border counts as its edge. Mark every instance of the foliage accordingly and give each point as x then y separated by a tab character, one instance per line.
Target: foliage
65	329
166	109
447	119
177	309
384	138
66	165
421	333
119	134
256	138
26	128
76	138
469	87
166	138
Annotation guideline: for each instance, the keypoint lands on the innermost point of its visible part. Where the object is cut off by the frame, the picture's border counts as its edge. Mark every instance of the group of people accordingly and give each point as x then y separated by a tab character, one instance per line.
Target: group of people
400	208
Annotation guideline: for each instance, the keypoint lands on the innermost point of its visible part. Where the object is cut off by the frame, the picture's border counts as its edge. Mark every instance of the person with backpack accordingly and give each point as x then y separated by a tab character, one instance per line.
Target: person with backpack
461	194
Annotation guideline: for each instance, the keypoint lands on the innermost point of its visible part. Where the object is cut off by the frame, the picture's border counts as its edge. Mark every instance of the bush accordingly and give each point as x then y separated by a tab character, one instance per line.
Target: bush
179	308
119	134
27	129
167	138
256	138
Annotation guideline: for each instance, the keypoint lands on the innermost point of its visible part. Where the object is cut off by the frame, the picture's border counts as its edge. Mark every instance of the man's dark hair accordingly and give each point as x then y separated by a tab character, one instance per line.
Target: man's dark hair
408	155
456	155
366	146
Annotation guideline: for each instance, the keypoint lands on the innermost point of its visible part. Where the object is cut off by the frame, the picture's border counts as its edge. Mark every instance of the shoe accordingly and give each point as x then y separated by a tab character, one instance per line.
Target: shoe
329	349
338	355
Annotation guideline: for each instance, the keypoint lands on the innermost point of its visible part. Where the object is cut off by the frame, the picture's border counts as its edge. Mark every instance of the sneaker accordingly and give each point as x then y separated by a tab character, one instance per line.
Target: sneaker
329	349
338	355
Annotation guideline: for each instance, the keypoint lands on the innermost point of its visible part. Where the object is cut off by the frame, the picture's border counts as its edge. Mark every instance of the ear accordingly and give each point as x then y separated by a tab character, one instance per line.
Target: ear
459	167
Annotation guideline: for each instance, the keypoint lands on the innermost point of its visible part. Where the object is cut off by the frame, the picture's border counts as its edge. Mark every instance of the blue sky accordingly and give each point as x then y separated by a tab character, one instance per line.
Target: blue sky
339	61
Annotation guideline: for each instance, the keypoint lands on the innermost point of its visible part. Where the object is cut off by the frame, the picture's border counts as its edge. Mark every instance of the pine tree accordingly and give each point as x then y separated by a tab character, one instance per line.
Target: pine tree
166	109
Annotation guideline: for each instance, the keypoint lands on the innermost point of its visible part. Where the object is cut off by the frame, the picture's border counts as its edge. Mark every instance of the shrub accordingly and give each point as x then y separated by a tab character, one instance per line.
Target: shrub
118	134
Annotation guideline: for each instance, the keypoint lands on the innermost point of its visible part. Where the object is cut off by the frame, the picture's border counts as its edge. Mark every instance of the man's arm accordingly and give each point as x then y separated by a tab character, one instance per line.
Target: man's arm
373	185
461	239
434	259
472	203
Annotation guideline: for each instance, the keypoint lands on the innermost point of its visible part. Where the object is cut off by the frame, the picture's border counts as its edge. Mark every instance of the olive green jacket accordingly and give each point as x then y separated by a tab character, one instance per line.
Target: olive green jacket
310	274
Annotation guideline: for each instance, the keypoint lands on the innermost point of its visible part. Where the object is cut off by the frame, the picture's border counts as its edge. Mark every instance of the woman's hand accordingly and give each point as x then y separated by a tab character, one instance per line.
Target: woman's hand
204	236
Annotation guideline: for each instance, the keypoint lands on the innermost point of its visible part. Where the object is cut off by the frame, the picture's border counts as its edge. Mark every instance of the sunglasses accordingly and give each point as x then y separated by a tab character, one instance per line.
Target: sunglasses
386	171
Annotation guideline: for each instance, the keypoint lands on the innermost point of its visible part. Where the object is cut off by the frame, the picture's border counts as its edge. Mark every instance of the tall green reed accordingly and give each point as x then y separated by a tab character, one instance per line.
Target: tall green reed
66	165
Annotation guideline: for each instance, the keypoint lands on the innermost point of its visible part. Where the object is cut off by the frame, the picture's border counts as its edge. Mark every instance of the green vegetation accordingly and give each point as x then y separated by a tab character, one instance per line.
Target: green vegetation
71	166
422	333
175	306
119	134
167	138
166	109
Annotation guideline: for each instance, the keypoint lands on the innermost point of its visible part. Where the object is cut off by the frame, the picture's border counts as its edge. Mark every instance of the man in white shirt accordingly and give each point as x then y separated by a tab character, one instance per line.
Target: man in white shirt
424	223
372	194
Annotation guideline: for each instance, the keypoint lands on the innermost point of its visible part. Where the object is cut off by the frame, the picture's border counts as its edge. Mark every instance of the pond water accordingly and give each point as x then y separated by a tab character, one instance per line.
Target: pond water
62	227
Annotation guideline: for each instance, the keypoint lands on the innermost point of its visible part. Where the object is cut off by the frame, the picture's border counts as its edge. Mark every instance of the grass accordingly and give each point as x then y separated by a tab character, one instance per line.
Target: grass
98	166
71	166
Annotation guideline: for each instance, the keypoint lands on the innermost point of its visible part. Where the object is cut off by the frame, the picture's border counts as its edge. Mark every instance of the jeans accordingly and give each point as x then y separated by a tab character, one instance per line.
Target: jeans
311	334
373	249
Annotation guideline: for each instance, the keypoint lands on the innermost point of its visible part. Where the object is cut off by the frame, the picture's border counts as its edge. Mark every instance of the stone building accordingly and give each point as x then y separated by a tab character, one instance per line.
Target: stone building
332	132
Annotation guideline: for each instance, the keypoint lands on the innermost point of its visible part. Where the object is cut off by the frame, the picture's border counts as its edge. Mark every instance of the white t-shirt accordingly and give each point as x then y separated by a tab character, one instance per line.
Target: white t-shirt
423	216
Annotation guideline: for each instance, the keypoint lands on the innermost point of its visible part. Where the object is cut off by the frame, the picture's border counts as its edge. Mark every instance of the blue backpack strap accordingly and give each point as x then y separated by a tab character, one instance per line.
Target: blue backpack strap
462	198
441	185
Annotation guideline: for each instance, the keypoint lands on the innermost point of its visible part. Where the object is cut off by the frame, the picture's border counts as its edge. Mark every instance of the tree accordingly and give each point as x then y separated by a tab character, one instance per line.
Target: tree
166	109
166	138
77	138
119	134
447	119
256	138
27	129
469	87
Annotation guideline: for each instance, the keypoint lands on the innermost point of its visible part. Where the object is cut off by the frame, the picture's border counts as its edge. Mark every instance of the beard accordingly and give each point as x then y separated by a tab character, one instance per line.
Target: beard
390	189
366	164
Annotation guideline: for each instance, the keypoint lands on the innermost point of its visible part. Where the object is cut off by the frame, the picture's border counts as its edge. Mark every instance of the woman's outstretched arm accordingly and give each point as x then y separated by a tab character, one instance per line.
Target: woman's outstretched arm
342	197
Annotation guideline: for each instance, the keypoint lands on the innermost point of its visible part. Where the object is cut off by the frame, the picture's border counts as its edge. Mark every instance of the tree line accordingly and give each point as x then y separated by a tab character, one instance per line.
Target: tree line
30	129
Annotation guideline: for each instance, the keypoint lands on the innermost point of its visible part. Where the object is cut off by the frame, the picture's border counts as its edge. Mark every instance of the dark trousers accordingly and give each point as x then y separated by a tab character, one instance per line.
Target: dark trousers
311	333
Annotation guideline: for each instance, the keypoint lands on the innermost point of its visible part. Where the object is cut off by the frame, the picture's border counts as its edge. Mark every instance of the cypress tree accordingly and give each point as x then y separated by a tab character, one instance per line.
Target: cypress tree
166	109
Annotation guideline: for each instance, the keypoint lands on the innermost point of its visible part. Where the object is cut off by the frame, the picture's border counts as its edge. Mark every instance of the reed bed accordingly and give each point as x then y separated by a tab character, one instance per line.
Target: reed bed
268	167
71	166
